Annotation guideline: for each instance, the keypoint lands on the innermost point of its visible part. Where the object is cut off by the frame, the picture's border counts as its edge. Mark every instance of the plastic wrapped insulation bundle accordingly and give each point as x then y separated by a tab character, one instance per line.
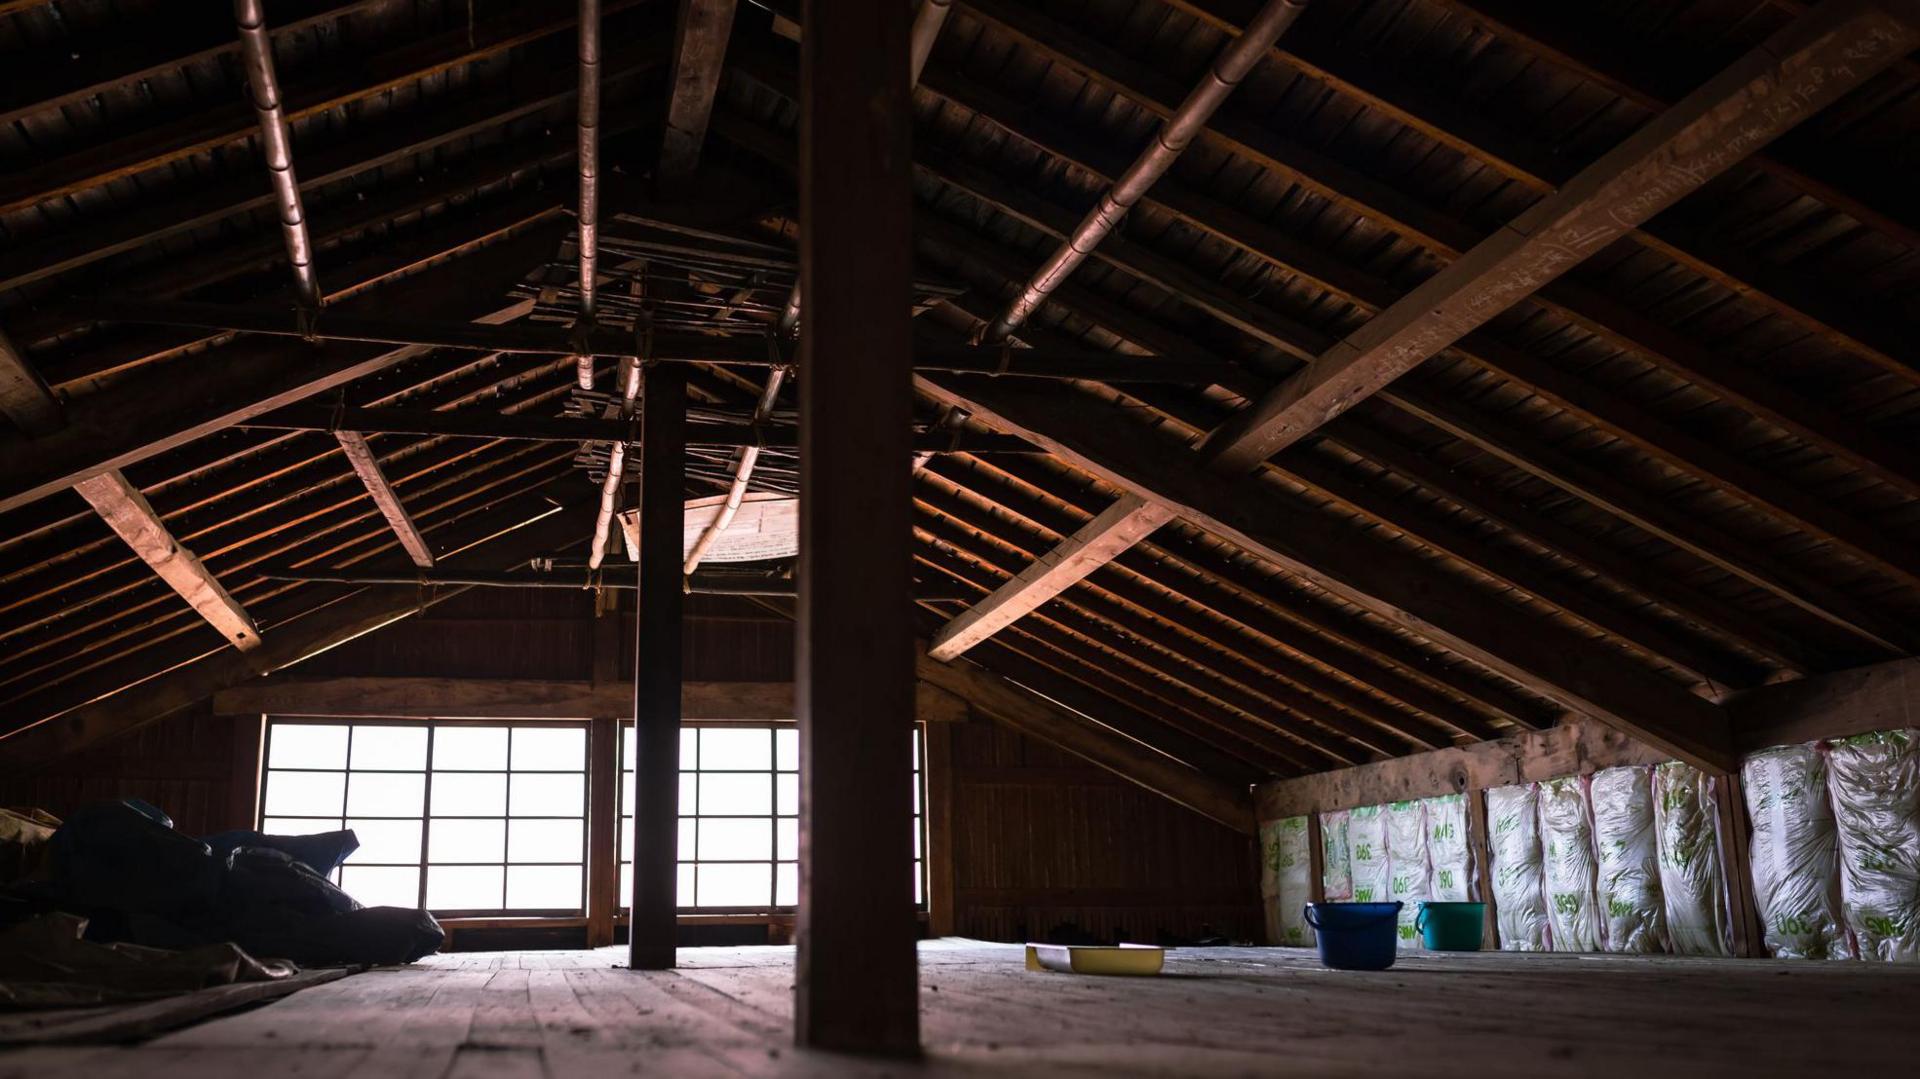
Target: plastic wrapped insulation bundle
1447	848
1687	832
1519	898
1410	870
1286	864
1568	870
1876	803
1794	853
1628	860
1336	860
1367	842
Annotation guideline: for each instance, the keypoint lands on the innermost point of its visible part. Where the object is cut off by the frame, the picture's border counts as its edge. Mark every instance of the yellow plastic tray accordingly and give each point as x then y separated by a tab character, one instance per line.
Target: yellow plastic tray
1126	959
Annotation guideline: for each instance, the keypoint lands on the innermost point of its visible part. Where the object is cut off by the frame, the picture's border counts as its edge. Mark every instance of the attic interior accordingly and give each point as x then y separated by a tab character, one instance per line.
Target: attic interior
553	538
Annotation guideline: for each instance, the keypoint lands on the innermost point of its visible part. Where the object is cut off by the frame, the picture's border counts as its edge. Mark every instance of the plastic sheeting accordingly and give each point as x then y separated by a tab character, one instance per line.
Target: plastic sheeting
1876	803
1627	860
1687	836
1568	870
1336	859
1410	873
1448	849
1367	839
1519	900
1794	853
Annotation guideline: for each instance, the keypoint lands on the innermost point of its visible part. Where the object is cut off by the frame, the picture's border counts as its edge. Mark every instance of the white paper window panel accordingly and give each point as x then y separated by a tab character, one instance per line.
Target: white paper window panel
301	745
305	794
391	748
475	748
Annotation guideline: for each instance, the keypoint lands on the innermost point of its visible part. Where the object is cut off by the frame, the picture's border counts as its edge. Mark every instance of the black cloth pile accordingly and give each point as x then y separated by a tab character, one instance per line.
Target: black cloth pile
123	867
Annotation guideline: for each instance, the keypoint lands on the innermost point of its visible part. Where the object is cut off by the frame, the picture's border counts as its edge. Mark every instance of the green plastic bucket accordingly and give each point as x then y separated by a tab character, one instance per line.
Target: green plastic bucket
1451	927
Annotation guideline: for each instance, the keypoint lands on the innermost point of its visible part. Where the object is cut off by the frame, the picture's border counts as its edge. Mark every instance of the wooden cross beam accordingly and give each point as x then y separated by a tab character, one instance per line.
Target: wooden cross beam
25	400
365	465
700	49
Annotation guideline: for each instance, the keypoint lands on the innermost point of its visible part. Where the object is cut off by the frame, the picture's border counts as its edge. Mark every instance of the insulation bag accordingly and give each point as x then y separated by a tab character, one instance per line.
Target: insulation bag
1876	804
1336	868
1410	871
1568	870
1627	860
1519	900
1686	823
1794	853
1293	870
1447	848
1367	845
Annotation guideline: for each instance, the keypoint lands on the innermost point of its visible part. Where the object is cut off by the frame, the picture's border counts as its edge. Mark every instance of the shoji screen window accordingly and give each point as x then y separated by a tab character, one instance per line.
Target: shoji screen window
739	835
456	817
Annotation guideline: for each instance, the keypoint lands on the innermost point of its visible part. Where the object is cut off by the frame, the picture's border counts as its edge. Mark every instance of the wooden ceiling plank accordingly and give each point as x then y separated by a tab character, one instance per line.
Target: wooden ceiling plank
353	445
699	52
162	144
1098	664
1118	527
122	712
127	512
24	396
1460	128
1792	76
1040	718
1537	653
1727	376
1147	564
1299	689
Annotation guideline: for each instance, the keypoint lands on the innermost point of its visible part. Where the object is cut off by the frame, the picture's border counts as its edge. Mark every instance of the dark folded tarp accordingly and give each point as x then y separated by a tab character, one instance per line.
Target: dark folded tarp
45	963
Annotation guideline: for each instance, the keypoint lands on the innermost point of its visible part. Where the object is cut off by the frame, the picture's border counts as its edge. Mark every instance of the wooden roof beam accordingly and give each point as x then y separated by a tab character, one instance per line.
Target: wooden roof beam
126	511
1033	715
353	445
1094	544
1547	659
24	396
1794	74
700	49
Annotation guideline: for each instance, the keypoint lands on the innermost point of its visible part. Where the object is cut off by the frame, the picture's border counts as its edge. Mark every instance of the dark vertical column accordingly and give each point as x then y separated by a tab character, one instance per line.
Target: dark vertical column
603	780
656	672
856	987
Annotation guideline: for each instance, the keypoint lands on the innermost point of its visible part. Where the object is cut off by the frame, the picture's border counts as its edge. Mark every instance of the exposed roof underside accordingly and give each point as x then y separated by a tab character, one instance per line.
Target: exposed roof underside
1697	449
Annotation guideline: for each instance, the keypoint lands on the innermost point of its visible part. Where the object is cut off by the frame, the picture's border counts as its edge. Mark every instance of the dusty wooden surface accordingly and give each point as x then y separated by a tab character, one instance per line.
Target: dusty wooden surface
1216	1011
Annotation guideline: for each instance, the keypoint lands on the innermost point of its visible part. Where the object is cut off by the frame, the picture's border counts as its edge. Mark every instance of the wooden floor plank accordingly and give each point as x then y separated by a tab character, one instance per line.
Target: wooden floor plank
1242	1011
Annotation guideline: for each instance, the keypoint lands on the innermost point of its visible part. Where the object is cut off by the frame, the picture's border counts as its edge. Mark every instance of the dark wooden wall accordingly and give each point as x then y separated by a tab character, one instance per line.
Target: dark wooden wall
1042	839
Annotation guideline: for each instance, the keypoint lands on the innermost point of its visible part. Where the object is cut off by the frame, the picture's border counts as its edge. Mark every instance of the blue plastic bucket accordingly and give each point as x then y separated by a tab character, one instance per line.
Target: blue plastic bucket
1355	936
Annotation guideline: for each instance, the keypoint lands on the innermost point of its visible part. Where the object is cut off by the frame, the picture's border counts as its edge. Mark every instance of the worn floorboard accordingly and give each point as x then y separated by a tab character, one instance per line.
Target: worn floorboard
1216	1011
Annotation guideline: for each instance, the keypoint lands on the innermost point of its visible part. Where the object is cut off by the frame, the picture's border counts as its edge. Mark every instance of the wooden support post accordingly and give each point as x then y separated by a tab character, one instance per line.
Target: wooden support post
656	674
603	782
1480	849
700	48
942	920
1743	909
855	985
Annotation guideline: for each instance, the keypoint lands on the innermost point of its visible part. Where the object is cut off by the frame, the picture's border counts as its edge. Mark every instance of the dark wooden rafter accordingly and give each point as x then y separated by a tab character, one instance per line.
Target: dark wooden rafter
1118	601
1669	444
1796	73
1540	655
700	47
1242	625
1727	376
856	983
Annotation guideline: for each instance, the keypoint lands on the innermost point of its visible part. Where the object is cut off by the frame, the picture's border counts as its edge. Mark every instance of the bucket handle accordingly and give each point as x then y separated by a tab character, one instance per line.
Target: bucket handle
1306	911
1420	920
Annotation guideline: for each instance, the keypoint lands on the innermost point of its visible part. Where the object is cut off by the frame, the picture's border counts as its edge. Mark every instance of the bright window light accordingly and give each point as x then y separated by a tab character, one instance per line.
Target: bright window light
459	818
